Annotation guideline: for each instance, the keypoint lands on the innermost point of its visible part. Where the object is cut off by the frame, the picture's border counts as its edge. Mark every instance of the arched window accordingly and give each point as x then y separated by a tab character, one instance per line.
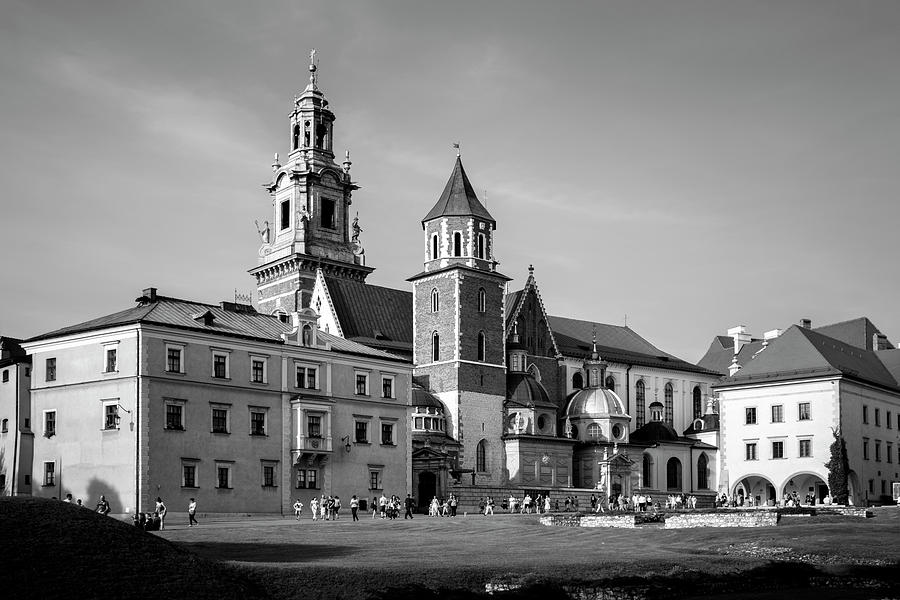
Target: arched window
435	347
648	471
669	395
434	246
656	411
307	335
481	456
698	403
577	381
593	431
594	377
639	400
673	474
457	244
481	299
306	134
435	300
481	346
480	249
610	382
515	362
703	472
295	138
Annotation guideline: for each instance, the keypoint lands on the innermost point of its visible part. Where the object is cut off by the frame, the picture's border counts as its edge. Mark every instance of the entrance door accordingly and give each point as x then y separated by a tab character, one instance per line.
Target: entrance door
821	492
427	487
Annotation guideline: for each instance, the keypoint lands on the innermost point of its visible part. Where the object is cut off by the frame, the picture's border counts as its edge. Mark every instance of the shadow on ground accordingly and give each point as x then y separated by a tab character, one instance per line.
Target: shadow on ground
266	553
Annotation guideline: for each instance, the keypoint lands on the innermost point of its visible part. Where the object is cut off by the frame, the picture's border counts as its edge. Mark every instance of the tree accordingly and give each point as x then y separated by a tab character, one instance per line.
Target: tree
838	469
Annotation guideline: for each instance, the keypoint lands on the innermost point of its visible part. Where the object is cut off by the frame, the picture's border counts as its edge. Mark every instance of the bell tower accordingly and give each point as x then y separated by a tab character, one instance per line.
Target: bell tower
310	224
458	322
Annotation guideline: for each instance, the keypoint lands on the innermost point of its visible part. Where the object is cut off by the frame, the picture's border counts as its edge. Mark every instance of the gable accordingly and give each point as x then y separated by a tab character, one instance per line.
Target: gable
526	316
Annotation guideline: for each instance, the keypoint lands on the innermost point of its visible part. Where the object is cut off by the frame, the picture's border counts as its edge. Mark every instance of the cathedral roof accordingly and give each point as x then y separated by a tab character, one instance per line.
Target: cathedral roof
423	398
655	431
372	314
458	198
595	402
524	390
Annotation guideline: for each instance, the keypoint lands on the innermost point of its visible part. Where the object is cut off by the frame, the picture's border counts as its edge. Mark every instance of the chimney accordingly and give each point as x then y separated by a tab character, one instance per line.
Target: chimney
740	336
771	335
150	294
806	323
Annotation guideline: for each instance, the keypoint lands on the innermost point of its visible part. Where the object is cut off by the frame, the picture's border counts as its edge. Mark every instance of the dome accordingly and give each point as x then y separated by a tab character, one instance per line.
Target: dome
523	389
655	431
594	402
423	398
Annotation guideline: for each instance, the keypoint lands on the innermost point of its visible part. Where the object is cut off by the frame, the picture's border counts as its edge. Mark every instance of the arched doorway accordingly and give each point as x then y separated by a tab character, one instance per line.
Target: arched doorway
756	489
427	487
809	487
673	474
703	472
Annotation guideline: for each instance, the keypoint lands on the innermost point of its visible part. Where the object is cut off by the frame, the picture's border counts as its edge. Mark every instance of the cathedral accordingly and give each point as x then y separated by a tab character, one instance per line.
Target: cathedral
503	393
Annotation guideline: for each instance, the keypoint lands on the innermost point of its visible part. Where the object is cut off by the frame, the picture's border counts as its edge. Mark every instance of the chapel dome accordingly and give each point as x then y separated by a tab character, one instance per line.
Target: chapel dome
523	389
655	431
594	402
425	399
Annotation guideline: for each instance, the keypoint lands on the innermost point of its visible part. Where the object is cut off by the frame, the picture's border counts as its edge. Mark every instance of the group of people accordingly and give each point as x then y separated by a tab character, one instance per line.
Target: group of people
389	508
443	507
326	508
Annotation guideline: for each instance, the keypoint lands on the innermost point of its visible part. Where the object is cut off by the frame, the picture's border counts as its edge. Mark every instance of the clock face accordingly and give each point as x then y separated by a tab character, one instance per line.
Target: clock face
545	459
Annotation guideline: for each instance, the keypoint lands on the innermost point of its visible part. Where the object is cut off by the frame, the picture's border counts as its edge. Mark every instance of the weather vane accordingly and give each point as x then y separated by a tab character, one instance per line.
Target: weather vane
456	145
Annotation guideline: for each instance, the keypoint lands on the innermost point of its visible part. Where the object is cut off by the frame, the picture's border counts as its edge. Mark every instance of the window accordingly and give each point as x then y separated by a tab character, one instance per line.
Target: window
223	476
778	413
314	426
49	423
419	423
375	480
750	451
777	449
887	420
51	369
434	246
361	432
257	422
481	456
703	472
5	375
111	416
258	370
669	394
750	416
111	360
457	244
188	474
306	377
877	417
174	359
804	412
865	414
387	434
593	431
387	386
889	452
481	299
640	399
481	246
307	335
805	448
328	220
174	416
306	478
481	346
698	403
5	427
610	383
362	384
865	448
220	419
435	347
648	471
435	300
220	365
578	381
49	474
285	214
656	412
295	137
673	474
877	450
269	476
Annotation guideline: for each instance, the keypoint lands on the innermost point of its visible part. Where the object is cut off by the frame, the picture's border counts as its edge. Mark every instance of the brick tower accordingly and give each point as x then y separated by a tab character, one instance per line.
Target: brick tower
458	323
310	224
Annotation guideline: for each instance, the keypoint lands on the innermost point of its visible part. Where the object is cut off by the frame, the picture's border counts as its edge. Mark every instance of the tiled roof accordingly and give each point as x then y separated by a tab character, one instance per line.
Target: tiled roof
510	301
801	353
721	352
458	198
615	343
891	361
373	313
856	332
185	314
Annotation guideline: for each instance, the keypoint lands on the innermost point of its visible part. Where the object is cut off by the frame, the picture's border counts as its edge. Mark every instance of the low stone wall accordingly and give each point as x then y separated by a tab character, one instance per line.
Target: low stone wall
844	511
757	518
625	521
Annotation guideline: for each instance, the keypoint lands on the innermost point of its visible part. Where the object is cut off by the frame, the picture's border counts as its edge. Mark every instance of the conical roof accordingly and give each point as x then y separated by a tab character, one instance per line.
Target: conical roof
458	198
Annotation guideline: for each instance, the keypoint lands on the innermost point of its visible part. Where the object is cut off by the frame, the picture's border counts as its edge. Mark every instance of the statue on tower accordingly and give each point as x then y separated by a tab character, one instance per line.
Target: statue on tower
263	232
356	229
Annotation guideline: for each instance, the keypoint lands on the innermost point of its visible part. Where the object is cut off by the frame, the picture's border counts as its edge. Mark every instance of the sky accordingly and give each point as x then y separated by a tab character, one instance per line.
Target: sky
686	165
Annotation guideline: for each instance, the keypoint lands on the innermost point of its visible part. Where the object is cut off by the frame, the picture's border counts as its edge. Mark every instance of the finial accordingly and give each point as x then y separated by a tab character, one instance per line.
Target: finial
456	145
530	270
594	354
312	68
276	165
346	164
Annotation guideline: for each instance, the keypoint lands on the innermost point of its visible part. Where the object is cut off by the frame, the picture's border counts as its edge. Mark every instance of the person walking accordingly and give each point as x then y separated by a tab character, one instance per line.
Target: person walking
337	508
298	508
453	505
354	507
314	508
408	504
192	513
489	509
161	512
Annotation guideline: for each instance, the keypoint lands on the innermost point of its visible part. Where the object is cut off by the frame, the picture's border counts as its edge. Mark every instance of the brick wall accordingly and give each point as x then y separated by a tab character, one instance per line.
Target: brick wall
756	518
623	521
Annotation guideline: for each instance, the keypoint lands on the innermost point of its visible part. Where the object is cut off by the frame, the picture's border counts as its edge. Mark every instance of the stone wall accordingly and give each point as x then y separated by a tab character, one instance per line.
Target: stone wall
622	521
757	518
469	496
